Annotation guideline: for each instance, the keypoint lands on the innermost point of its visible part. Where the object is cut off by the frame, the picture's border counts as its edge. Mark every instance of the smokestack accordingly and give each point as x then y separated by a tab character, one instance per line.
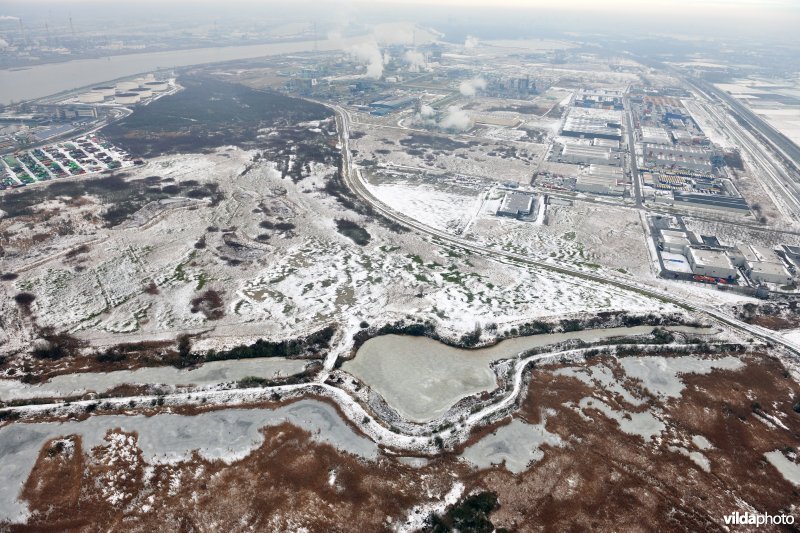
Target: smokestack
71	26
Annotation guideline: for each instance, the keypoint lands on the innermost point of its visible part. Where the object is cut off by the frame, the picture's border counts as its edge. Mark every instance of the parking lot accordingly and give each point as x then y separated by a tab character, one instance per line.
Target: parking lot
86	155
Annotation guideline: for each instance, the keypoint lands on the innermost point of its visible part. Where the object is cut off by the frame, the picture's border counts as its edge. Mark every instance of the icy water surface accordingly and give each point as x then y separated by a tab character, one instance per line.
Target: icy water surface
422	378
208	374
228	434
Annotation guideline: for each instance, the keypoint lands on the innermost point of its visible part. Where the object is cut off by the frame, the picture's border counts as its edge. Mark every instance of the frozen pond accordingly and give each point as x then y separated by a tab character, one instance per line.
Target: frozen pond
516	444
659	375
208	374
422	378
228	434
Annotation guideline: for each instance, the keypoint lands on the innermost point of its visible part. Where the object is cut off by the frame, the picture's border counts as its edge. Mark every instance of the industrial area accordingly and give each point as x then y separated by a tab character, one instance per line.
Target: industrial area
398	280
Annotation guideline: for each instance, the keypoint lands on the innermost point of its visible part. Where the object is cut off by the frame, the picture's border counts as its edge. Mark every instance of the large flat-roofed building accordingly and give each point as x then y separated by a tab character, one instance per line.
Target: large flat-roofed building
655	135
769	273
593	123
601	179
676	242
714	263
584	154
515	205
762	264
714	202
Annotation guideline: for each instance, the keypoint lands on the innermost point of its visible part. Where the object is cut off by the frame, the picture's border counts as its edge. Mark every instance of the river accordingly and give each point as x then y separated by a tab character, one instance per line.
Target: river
52	78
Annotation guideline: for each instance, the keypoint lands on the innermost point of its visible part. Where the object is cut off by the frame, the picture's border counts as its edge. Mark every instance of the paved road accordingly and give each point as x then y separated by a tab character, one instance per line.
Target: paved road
356	184
634	169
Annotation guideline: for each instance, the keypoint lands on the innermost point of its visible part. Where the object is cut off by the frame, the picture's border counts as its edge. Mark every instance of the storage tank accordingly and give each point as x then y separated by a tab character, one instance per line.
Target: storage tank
142	92
156	86
128	98
90	98
125	86
105	90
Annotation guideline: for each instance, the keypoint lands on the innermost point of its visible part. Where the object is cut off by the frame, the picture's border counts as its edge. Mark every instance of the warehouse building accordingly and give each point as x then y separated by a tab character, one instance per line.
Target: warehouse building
655	135
601	179
714	263
583	154
673	241
515	205
761	264
593	124
714	202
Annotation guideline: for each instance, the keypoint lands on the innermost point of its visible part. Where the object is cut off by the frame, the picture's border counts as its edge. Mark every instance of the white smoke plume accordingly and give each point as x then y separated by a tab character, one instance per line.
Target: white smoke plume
415	60
8	17
3	43
456	119
471	42
370	55
426	111
471	87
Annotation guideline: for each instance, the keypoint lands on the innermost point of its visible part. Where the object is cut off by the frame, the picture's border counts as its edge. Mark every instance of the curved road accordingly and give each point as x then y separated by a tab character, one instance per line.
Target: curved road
357	185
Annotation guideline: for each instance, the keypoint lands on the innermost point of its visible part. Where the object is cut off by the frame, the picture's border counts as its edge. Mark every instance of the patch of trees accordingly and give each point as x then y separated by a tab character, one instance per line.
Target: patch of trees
309	345
24	301
353	231
210	304
53	345
470	514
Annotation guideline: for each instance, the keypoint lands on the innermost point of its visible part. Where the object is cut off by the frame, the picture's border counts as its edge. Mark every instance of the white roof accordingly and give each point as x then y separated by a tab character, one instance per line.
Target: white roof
711	258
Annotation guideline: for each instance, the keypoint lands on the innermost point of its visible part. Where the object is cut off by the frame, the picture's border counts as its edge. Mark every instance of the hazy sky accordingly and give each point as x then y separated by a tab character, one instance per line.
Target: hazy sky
774	20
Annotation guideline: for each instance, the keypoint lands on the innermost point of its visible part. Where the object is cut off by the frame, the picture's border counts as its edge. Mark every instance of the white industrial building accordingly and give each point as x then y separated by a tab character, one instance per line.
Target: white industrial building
601	179
676	242
762	264
655	135
714	263
584	154
515	205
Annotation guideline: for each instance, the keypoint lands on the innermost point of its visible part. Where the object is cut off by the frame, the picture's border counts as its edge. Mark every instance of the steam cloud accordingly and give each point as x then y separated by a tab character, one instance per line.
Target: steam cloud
8	17
415	60
426	111
471	87
471	42
456	119
370	55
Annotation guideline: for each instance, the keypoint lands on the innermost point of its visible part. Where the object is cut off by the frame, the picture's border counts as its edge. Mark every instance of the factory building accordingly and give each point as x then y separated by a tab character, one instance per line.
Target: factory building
713	202
791	252
714	263
506	120
386	106
583	154
593	124
601	179
515	205
679	156
761	264
655	135
676	242
606	143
